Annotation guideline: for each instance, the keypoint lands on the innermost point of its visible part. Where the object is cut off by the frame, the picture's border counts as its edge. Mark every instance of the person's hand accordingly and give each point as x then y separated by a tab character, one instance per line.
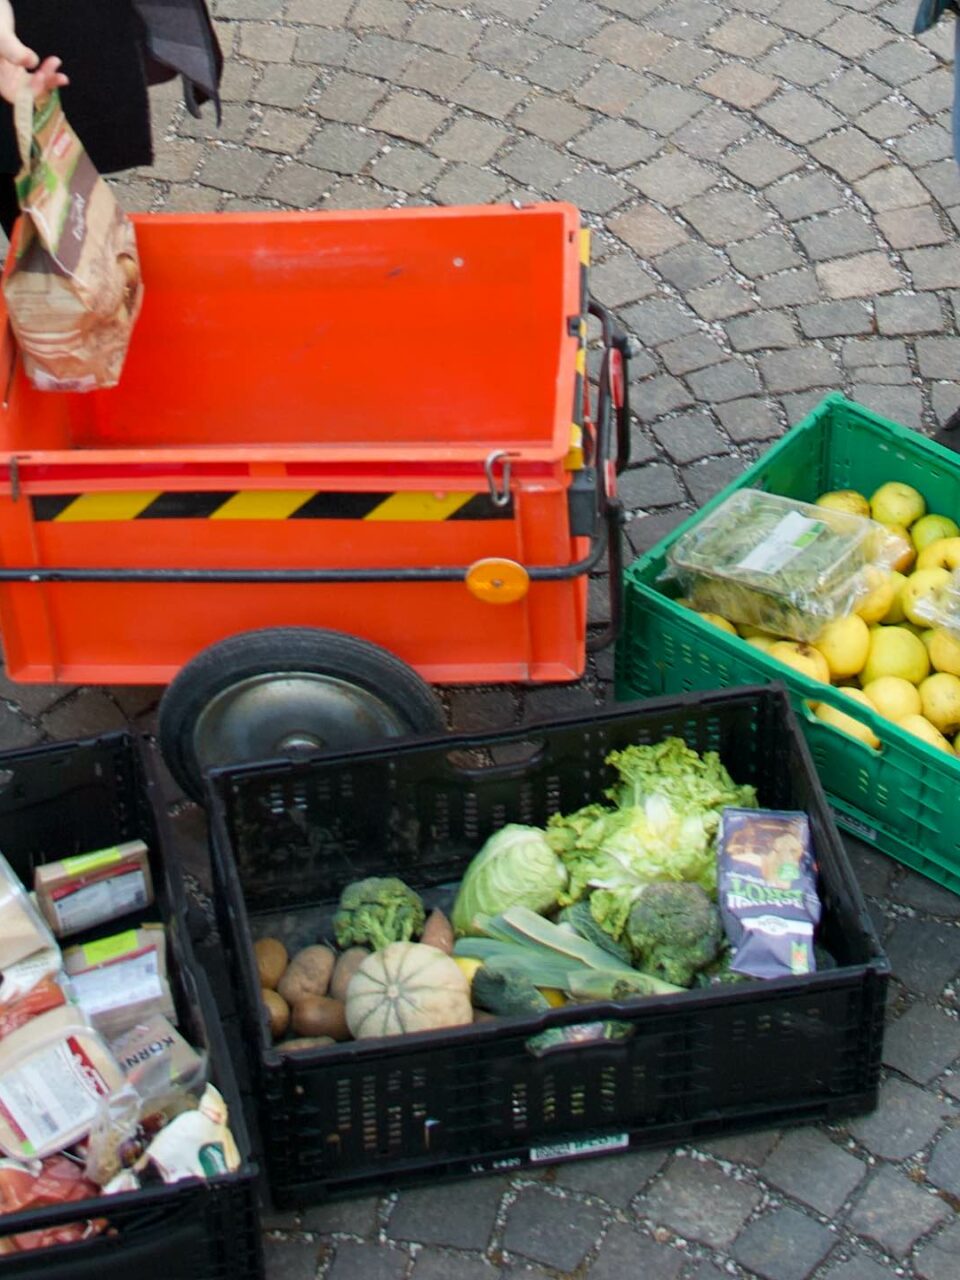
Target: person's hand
16	60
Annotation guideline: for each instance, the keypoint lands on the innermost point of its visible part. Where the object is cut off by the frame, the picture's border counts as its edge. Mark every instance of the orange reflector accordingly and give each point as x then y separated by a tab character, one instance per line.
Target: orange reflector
497	581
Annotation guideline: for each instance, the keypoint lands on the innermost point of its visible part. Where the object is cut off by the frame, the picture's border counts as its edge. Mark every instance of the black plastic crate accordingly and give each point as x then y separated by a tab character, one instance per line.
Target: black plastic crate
288	837
72	798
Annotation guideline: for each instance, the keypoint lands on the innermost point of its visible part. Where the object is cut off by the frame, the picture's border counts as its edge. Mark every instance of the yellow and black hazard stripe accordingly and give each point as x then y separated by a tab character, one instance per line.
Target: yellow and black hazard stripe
574	458
265	504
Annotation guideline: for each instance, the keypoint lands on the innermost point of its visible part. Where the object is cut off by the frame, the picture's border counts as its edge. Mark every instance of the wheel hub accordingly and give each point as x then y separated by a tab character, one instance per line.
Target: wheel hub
288	714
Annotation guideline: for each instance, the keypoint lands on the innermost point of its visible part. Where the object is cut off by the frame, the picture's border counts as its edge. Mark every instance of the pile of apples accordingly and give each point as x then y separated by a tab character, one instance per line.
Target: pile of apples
885	654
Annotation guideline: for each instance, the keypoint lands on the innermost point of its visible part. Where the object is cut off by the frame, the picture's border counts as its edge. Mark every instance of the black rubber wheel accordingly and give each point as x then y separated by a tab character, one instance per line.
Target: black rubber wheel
288	692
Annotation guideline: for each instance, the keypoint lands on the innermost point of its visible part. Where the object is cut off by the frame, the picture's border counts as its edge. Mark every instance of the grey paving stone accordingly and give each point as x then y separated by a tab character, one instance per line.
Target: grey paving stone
942	181
690	265
924	144
535	165
857	1268
464	184
555	121
647	230
744	37
625	1252
911	228
685	62
593	192
723	216
630	45
406	169
799	116
894	1212
854	91
666	108
508	49
730	380
800	403
695	351
433	1265
944	400
620	279
834	319
82	715
352	1217
539	1227
801	62
943	1169
938	357
722	300
806	17
861	276
611	89
651	486
915	313
349	98
939	1259
704	479
436	72
322	48
407	116
789	289
341	149
570	21
763	255
646	531
801	196
934	268
710	133
299	185
672	179
558	68
292	1260
740	85
366	1262
887	120
892	187
835	236
473	141
449	32
689	437
699	1202
615	1179
932	92
924	956
760	162
809	1167
381	56
656	396
657	320
282	86
850	153
444	1215
898	403
783	1245
905	1121
873	351
614	143
798	370
750	1148
917	891
900	62
873	871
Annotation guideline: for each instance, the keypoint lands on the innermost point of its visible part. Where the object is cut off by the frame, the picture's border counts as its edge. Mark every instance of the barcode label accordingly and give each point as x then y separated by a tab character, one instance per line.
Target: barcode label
580	1147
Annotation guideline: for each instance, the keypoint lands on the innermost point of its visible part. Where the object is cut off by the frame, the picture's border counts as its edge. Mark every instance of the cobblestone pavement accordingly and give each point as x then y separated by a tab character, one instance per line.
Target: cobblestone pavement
775	213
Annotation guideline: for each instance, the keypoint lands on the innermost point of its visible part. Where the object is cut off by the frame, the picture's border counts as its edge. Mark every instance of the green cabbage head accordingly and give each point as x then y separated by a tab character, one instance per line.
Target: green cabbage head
515	868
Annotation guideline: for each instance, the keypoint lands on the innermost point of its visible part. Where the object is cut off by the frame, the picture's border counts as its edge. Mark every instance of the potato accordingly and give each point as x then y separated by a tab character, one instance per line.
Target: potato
271	961
308	974
278	1011
304	1043
321	1016
347	965
438	932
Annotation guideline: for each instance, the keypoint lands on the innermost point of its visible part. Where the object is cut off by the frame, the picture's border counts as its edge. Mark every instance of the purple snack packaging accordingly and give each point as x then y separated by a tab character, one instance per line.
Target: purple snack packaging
767	887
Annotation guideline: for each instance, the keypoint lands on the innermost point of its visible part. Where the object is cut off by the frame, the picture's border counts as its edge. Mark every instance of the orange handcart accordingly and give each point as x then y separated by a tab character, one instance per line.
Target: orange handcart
350	453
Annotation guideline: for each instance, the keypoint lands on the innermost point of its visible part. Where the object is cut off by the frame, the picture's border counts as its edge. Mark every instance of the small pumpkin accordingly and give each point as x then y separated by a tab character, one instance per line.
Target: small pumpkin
407	987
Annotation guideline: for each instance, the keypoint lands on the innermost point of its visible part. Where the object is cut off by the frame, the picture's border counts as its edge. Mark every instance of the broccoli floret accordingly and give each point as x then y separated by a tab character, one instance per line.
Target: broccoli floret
718	972
376	912
675	930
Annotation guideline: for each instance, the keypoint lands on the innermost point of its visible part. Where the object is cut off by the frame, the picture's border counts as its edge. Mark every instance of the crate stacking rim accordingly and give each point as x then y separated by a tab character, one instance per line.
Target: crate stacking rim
343	410
901	798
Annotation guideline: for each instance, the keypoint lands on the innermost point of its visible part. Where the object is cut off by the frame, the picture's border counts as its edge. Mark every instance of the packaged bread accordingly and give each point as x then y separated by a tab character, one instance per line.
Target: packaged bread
91	889
22	930
126	983
54	1073
20	978
153	1055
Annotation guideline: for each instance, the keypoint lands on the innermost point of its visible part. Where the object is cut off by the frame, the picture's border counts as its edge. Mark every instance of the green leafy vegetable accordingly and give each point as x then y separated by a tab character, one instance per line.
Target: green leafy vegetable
516	867
691	782
675	930
580	919
377	911
508	994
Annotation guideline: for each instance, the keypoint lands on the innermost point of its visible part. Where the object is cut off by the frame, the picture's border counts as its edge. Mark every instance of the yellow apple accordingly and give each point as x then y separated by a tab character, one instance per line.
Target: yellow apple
844	643
956	744
942	554
931	529
893	697
855	504
881	591
763	643
896	503
920	585
940	695
898	550
804	658
747	631
717	621
926	635
945	651
895	613
921	727
848	724
895	651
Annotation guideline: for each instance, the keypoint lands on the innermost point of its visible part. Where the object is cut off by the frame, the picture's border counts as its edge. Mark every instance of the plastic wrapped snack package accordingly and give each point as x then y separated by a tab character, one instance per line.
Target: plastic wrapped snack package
941	607
786	567
20	978
23	930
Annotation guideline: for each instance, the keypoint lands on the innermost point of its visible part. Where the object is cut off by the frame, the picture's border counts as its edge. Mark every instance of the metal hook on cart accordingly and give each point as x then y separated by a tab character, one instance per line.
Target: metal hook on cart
499	496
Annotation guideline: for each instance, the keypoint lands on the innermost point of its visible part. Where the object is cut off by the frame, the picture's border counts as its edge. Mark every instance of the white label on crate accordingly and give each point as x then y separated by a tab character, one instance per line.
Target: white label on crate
105	899
50	1094
123	984
792	534
579	1147
856	827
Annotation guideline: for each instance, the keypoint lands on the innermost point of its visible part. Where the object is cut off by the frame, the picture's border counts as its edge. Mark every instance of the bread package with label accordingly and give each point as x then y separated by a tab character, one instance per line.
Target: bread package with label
22	930
121	980
92	888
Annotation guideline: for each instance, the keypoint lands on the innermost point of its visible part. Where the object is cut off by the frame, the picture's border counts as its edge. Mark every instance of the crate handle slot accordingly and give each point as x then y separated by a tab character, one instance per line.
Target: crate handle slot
479	769
839	704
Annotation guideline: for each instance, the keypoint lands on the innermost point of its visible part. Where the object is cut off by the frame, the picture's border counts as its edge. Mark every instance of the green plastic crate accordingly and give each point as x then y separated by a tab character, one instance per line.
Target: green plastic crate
904	798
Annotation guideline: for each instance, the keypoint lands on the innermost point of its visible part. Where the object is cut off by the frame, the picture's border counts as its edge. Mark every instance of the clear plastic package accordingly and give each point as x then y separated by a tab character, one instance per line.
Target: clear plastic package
941	607
784	566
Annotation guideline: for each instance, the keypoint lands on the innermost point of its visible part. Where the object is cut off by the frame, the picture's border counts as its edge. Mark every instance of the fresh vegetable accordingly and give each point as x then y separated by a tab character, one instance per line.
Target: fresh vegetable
600	984
320	1016
467	966
377	911
348	962
438	932
407	987
675	930
516	867
278	1012
507	993
308	974
580	919
271	957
